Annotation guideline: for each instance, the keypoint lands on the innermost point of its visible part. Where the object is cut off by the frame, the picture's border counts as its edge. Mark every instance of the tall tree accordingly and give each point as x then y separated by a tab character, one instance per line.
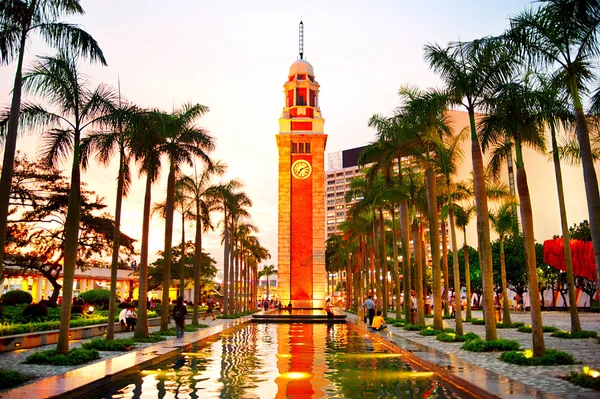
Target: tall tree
58	80
565	33
469	70
514	120
267	271
182	142
19	19
203	195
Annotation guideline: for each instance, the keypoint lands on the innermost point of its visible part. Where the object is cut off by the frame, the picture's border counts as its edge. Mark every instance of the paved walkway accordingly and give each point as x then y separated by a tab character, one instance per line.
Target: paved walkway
543	378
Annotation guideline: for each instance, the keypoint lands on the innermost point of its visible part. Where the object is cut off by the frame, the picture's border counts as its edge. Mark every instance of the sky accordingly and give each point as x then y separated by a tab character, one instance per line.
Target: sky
234	56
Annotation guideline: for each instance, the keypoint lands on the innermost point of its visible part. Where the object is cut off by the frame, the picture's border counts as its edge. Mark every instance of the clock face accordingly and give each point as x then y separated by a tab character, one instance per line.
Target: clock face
301	169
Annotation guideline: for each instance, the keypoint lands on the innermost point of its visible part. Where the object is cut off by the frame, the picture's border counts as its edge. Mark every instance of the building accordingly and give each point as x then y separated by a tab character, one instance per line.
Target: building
301	201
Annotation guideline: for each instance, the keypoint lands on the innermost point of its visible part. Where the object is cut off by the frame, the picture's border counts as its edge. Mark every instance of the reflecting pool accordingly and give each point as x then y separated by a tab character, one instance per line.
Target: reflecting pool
292	361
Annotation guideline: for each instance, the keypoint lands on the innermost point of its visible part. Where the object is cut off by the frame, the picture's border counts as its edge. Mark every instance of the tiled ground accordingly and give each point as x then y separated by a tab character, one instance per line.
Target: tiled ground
546	379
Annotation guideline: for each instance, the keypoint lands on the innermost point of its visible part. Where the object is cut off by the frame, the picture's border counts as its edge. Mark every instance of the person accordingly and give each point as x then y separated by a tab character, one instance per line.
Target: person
289	306
378	323
179	312
266	305
370	305
210	305
452	307
329	308
130	319
152	304
122	317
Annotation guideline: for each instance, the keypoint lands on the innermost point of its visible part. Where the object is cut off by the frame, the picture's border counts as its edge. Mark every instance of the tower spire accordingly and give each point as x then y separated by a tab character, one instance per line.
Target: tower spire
301	28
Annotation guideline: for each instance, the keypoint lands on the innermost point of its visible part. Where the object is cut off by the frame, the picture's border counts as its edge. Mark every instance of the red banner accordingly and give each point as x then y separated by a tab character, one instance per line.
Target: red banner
582	255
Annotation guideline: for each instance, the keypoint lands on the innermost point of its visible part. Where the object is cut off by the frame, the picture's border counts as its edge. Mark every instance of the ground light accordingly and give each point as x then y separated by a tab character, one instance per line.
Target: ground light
592	373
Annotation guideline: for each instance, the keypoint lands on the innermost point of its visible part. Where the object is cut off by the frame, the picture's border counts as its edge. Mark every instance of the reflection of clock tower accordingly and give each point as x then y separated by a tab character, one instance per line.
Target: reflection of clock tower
301	235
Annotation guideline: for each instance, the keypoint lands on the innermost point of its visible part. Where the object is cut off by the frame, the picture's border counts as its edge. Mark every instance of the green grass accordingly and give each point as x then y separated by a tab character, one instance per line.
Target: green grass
11	378
527	329
496	345
75	357
115	345
550	358
579	334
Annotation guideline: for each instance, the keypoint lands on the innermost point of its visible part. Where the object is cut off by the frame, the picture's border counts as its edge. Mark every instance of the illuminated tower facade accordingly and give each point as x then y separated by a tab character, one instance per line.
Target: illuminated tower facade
301	231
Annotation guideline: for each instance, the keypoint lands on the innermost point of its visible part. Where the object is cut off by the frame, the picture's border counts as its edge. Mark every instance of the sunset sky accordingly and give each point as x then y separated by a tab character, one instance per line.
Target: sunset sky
233	56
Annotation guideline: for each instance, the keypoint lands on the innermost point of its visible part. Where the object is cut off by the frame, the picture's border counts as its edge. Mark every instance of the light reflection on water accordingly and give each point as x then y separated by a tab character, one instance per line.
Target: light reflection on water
291	361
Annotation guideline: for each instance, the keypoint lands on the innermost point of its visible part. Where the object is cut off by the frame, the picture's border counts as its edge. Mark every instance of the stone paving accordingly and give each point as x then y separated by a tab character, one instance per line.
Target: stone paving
543	378
14	360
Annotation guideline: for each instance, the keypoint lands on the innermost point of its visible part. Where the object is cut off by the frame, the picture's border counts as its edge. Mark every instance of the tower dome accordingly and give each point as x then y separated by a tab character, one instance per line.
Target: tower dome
301	67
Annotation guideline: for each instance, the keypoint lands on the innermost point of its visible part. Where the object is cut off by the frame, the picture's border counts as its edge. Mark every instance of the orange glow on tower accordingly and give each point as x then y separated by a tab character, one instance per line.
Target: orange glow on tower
301	233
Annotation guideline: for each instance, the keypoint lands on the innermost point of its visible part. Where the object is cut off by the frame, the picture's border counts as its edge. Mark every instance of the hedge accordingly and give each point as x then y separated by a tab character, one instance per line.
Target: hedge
527	329
550	358
97	297
16	297
579	334
75	357
115	345
588	378
446	336
496	345
11	378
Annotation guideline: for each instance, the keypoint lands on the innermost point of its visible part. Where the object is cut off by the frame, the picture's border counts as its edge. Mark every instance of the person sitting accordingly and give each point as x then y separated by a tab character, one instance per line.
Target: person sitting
122	317
378	322
328	308
130	319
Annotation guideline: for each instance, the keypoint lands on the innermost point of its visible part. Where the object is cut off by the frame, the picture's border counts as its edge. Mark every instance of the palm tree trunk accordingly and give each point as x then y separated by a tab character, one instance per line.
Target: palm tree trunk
434	237
456	271
10	145
182	260
396	268
483	229
141	327
114	264
537	333
469	314
589	173
506	309
445	275
404	232
197	257
232	275
70	248
575	323
424	263
384	264
225	262
418	272
169	208
376	264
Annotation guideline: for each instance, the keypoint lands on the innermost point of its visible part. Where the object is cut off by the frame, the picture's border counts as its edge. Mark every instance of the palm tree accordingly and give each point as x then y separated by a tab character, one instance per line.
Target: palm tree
426	110
267	271
565	33
462	217
469	70
504	222
19	19
513	121
182	143
238	205
105	143
146	141
203	195
58	80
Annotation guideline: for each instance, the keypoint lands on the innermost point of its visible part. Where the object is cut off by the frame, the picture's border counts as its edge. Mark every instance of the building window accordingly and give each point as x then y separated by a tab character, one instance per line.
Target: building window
330	202
330	195
339	214
300	148
301	96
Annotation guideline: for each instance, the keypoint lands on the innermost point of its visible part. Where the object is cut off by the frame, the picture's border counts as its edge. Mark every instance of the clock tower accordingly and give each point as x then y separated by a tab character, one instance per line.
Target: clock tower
301	226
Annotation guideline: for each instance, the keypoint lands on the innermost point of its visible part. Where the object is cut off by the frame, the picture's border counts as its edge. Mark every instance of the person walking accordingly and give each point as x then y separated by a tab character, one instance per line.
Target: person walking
370	305
179	312
329	308
210	305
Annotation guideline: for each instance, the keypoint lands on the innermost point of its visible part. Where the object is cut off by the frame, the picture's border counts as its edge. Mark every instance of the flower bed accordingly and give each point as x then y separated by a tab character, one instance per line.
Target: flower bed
550	358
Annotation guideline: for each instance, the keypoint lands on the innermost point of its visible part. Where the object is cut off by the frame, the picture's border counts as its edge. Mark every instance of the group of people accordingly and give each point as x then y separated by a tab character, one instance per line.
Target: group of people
376	322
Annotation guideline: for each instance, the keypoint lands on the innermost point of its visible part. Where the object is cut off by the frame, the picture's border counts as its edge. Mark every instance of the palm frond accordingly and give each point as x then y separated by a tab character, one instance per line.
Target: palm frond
71	38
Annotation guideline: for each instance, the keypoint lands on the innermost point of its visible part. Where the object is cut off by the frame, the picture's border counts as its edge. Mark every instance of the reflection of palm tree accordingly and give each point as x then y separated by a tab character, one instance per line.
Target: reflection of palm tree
267	271
19	20
59	81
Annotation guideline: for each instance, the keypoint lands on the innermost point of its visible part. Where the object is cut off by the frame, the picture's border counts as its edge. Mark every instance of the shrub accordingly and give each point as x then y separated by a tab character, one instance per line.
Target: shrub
429	332
77	309
579	334
448	335
10	378
513	325
478	322
35	311
412	327
497	345
476	345
525	358
73	358
398	324
471	336
150	339
98	298
527	329
116	345
585	378
16	297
